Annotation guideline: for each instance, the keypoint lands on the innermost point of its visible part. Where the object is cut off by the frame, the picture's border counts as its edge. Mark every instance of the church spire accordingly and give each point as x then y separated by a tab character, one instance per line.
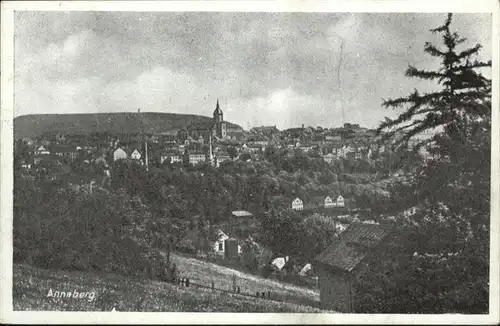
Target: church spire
217	110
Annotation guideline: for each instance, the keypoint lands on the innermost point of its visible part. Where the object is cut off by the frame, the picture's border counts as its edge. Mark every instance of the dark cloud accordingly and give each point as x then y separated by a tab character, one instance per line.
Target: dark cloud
269	68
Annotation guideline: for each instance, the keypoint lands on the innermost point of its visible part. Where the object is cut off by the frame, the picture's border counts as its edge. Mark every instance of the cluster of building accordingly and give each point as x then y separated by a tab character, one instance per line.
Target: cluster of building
214	142
334	269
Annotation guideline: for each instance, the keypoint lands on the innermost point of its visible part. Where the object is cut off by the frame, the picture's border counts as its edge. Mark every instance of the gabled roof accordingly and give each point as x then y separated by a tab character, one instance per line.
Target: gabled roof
124	149
353	245
241	213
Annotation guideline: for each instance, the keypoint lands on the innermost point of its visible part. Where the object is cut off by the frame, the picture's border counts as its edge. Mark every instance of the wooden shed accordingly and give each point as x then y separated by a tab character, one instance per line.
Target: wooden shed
337	265
231	248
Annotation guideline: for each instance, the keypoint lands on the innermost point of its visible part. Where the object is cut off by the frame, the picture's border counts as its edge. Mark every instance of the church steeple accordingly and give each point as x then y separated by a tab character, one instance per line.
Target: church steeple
218	122
217	111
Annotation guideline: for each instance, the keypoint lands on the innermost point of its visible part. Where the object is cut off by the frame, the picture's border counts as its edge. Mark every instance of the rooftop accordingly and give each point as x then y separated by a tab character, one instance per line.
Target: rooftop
241	214
353	245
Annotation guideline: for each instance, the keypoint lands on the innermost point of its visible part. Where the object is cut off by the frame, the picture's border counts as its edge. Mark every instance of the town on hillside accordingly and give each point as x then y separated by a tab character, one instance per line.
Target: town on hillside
353	187
51	156
93	165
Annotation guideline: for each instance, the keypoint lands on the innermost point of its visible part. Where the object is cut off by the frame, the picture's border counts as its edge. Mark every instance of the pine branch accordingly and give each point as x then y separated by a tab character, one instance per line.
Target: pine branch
470	66
422	74
390	134
431	121
416	99
444	27
432	50
469	52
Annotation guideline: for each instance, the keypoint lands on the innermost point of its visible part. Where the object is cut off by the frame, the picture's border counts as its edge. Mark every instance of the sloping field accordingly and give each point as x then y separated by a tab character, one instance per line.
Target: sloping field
203	272
31	287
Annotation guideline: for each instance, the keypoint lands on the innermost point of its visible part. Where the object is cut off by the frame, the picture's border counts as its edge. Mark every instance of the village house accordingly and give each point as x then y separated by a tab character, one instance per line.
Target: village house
41	150
332	138
221	157
266	130
306	148
119	154
262	142
172	157
338	202
280	262
197	158
252	148
326	202
225	246
242	223
337	265
136	155
64	151
297	204
329	158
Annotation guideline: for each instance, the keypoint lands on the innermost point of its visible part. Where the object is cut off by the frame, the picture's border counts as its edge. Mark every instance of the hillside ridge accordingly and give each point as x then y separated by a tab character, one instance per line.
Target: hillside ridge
35	125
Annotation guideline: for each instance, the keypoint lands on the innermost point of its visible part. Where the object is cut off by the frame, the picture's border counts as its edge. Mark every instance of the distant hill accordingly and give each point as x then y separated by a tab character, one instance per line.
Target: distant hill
35	125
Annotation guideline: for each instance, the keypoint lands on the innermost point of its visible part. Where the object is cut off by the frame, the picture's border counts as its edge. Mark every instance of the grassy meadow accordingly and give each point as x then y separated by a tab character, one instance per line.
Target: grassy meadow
202	272
31	286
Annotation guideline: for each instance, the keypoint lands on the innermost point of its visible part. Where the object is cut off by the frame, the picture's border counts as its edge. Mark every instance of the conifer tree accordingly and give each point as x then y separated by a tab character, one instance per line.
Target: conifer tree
450	235
465	94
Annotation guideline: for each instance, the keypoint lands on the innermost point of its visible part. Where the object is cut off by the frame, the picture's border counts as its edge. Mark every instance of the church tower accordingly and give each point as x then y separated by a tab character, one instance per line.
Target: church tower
218	122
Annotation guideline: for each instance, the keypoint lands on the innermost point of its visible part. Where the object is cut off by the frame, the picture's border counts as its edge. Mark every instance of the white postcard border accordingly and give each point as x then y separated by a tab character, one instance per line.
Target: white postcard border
6	180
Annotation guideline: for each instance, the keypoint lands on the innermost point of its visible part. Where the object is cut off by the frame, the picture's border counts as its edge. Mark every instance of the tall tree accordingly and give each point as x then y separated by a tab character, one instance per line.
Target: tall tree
452	230
465	93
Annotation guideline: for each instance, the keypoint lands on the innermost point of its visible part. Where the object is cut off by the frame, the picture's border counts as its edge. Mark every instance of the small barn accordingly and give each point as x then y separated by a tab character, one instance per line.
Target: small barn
337	265
241	223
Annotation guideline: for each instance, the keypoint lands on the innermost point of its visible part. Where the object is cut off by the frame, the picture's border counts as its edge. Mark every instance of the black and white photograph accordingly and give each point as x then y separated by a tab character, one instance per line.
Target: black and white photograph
252	161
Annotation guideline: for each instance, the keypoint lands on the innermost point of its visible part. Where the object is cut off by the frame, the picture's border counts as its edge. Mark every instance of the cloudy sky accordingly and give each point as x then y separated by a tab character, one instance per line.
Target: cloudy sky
265	68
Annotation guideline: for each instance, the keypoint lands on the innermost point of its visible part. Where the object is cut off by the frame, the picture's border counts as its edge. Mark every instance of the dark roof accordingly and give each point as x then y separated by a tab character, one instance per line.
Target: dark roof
58	148
352	245
310	206
318	199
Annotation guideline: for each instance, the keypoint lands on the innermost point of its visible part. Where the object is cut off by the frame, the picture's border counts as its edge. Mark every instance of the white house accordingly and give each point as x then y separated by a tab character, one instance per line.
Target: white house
329	202
219	246
42	151
136	155
329	158
280	262
119	154
196	158
340	201
174	158
297	204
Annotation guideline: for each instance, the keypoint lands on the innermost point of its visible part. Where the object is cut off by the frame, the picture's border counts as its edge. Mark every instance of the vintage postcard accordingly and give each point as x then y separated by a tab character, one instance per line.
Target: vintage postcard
250	162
